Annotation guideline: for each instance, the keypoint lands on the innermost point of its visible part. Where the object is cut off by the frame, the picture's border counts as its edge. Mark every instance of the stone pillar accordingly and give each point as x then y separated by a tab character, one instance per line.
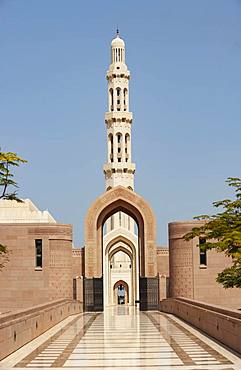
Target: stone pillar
162	287
79	288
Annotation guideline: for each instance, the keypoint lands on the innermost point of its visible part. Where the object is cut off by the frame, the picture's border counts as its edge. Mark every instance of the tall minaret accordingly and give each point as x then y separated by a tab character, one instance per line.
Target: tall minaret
119	170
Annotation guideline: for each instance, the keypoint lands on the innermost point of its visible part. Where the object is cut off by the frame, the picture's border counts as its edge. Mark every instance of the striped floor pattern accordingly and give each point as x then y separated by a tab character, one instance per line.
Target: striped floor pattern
124	338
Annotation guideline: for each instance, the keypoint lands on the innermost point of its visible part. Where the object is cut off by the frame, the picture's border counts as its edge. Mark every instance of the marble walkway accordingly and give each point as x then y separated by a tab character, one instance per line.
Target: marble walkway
123	338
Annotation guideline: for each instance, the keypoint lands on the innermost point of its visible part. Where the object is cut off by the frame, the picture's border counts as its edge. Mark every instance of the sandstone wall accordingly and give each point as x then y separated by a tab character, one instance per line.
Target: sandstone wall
190	279
21	283
163	261
77	262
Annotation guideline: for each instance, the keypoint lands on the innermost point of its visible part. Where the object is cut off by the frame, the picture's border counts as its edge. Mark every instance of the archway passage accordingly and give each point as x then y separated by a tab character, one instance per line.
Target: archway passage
120	257
120	199
121	292
120	267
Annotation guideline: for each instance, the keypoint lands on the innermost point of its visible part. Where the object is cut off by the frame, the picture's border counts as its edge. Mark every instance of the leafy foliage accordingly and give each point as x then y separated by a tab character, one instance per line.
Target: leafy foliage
222	231
3	255
8	160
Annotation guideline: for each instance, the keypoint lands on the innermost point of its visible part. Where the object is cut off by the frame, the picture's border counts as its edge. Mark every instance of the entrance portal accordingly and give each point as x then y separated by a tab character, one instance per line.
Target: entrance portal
143	258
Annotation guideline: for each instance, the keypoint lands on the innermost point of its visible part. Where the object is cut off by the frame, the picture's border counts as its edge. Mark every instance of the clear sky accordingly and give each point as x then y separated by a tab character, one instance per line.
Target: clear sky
185	94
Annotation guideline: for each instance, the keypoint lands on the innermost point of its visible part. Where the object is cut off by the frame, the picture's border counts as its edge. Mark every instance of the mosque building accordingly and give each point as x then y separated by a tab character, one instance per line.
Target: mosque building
120	262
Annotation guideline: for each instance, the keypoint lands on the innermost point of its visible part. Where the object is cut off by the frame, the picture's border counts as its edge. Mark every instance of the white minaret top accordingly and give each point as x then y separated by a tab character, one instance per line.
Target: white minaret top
118	170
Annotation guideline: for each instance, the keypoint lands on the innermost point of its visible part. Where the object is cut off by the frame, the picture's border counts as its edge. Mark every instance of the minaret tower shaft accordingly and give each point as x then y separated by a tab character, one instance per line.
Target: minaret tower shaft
119	170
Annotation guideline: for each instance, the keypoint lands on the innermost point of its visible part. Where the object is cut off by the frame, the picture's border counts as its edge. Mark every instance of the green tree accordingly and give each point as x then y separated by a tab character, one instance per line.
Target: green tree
222	231
8	160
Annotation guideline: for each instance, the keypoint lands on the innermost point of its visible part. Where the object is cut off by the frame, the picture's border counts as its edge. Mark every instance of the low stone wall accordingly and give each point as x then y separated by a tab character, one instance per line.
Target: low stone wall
218	322
20	327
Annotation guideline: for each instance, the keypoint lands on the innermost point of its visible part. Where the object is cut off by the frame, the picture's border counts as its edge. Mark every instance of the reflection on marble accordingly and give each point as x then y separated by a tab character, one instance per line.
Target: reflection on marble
124	338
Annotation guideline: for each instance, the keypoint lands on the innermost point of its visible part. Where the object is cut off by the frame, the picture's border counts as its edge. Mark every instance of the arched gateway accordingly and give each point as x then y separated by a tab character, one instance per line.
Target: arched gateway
120	199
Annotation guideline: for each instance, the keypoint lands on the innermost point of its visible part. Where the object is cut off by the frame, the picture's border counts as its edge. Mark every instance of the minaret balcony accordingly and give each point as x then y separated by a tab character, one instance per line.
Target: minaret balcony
121	72
119	167
121	116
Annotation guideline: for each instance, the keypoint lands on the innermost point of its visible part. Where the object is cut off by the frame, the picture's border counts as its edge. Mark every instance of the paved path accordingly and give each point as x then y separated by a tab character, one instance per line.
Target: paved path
123	338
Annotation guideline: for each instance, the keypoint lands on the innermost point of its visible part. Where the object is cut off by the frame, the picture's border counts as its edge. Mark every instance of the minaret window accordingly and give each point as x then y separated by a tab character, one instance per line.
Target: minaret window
127	147
118	138
111	150
118	94
125	93
111	100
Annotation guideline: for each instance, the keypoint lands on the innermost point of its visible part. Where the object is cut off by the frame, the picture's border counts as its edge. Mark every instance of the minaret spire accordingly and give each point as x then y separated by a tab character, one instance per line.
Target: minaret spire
119	170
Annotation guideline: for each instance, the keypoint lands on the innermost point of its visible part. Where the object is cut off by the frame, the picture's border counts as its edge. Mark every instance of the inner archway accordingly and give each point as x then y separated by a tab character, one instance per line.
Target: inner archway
120	256
121	292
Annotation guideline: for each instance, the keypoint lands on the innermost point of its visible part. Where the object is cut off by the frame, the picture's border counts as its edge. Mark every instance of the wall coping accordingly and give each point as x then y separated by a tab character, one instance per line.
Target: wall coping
211	307
6	318
188	222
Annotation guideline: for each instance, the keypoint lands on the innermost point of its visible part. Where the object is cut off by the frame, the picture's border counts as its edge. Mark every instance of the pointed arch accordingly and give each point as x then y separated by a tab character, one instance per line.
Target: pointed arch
127	201
125	285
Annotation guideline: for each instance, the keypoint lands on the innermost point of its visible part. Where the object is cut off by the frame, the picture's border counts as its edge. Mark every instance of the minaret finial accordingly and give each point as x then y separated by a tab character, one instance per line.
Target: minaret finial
117	32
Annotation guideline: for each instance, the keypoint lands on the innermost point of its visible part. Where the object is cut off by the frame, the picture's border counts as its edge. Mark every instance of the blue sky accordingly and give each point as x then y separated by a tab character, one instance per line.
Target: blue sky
185	92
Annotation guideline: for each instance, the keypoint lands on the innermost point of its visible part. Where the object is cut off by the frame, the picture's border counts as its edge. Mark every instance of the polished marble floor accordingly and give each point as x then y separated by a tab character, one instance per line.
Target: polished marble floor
123	338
